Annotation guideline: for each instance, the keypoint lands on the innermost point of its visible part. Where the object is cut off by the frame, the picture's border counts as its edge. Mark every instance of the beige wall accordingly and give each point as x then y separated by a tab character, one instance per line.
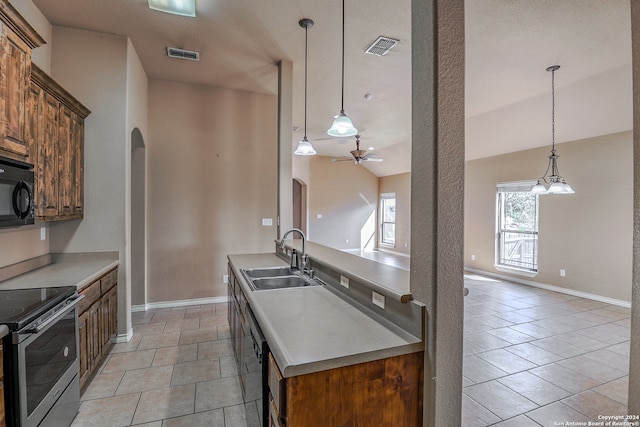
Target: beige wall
401	185
346	195
93	67
212	177
588	234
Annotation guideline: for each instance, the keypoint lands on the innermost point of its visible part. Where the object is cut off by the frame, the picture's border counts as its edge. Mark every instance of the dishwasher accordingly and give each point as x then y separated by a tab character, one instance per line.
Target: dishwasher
253	373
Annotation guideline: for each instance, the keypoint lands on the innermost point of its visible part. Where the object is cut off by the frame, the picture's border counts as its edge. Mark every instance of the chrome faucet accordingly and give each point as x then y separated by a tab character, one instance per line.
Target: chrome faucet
304	259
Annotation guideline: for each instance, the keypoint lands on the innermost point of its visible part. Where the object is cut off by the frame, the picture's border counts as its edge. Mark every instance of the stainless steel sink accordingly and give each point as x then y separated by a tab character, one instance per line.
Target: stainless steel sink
270	278
256	273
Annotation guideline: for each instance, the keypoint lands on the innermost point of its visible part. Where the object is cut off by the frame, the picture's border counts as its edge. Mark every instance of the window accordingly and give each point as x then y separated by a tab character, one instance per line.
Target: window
388	218
517	223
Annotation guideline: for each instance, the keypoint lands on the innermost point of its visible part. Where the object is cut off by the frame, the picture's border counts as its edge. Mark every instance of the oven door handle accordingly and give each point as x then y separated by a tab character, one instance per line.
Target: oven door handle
72	304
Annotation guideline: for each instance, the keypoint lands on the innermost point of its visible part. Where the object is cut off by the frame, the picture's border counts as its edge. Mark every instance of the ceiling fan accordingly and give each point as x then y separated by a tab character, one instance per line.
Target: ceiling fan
359	155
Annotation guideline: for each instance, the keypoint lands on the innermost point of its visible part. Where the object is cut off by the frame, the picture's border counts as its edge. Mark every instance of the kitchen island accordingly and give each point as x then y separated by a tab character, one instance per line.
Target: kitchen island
335	357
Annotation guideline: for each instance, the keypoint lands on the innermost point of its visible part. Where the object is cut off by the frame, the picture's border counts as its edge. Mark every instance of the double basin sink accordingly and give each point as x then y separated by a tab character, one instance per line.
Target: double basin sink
270	278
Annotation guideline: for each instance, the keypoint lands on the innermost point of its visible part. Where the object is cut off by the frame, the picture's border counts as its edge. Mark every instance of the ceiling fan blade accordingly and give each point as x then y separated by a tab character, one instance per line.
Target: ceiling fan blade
345	159
372	159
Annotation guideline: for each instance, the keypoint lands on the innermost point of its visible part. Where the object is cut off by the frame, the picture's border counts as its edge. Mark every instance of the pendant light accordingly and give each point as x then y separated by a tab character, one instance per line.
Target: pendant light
557	183
342	125
304	146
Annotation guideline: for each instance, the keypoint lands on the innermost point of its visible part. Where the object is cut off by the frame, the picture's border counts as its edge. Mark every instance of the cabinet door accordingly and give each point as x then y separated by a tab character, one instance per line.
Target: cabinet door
47	193
113	312
15	62
94	334
105	317
32	125
77	180
66	161
84	351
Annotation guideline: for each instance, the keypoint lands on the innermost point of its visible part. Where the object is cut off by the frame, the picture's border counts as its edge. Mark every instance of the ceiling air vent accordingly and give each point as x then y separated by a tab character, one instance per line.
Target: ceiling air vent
174	52
381	46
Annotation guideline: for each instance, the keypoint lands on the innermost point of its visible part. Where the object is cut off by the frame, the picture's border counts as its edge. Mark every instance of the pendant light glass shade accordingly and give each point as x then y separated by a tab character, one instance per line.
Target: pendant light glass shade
175	7
539	188
304	148
557	184
342	125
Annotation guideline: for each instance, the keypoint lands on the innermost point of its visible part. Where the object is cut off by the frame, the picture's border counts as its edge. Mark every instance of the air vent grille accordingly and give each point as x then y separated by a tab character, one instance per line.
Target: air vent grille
381	46
174	52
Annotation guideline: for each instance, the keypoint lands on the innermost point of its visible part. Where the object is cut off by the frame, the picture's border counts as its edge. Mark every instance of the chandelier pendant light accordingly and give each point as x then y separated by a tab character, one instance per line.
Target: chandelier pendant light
342	125
304	146
557	184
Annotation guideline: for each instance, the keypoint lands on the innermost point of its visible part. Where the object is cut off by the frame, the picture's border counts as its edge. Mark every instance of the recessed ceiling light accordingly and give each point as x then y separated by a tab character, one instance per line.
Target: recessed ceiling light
176	7
371	148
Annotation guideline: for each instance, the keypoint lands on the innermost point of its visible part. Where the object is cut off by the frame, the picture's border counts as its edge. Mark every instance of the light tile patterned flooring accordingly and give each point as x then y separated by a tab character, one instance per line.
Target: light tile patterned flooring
531	357
534	357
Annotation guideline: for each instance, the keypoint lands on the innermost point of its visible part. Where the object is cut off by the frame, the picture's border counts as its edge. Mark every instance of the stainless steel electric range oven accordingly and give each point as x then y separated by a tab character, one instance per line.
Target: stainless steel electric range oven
41	356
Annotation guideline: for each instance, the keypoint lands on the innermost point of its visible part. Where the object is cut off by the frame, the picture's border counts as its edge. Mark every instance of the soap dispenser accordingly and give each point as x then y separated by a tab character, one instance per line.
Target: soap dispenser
294	260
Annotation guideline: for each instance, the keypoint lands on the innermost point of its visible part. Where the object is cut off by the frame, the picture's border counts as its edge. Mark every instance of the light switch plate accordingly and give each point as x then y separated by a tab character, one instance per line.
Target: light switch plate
225	278
344	281
43	233
267	222
377	299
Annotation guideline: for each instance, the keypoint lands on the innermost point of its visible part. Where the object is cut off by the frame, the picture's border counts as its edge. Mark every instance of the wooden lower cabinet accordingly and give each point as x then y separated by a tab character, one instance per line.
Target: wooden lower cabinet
97	322
384	392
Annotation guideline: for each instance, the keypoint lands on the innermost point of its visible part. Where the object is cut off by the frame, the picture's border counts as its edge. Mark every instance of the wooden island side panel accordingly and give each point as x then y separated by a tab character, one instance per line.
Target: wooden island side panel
384	392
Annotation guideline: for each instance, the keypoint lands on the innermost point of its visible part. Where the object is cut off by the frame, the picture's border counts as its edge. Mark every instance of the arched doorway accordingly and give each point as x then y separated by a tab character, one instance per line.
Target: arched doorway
138	219
300	205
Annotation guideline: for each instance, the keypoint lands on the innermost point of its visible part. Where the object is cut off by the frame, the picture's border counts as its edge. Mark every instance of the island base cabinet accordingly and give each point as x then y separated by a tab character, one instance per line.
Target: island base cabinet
384	392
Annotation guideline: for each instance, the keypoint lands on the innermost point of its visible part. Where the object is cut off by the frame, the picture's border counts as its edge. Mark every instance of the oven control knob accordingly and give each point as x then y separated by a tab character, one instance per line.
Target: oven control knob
66	351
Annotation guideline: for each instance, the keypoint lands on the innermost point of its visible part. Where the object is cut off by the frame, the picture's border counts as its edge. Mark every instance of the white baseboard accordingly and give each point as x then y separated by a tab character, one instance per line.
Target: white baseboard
123	338
178	303
559	289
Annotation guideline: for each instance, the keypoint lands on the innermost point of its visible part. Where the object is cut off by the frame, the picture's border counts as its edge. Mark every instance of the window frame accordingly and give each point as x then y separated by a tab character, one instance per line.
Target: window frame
500	263
383	223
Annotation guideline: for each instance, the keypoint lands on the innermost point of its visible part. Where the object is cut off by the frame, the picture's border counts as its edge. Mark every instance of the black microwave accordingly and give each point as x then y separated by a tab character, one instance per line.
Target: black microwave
16	193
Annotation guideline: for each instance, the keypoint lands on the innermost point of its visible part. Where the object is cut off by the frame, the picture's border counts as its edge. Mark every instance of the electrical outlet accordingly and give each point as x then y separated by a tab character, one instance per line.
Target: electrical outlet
377	299
346	241
344	281
43	233
473	257
562	272
225	278
318	216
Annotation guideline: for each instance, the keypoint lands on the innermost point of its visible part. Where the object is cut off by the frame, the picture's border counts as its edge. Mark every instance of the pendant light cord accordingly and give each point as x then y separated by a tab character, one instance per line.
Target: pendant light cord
306	36
553	112
342	99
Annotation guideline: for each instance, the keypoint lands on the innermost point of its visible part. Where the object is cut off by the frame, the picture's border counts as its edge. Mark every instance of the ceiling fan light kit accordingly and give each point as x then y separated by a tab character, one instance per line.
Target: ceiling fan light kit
358	155
304	146
557	184
342	125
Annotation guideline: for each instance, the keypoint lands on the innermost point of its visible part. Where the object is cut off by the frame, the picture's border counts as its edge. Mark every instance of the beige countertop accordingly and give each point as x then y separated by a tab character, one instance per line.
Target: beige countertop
390	280
312	329
79	270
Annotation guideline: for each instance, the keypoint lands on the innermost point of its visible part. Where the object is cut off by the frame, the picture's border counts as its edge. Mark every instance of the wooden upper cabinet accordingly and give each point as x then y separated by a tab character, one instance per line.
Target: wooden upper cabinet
57	148
17	38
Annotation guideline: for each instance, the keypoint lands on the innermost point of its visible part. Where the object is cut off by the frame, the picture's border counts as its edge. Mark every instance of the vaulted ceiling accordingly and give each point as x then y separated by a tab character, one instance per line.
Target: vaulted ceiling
509	44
